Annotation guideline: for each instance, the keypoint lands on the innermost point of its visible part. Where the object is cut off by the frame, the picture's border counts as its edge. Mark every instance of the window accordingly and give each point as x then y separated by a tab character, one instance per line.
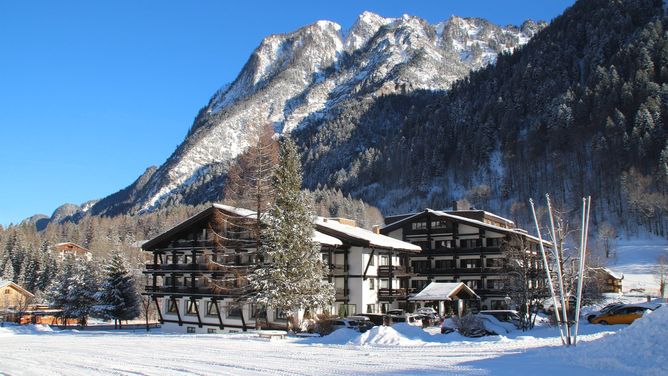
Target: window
372	260
370	308
280	314
495	284
470	263
494	262
211	331
494	242
190	329
384	307
372	284
420	266
193	307
444	264
7	291
233	310
474	283
346	310
444	244
418	285
211	308
439	224
384	283
419	225
384	260
258	310
172	307
470	243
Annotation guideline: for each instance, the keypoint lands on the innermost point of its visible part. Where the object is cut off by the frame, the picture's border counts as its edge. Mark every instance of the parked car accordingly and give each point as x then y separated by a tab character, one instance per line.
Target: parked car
426	311
396	312
358	323
624	314
376	318
504	315
603	310
494	326
447	327
363	322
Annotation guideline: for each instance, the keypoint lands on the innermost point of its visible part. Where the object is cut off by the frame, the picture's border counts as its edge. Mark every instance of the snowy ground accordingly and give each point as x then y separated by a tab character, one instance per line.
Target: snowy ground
611	350
637	260
606	350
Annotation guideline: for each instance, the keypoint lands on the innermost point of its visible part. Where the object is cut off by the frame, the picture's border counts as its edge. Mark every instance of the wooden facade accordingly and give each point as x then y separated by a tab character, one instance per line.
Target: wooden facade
459	246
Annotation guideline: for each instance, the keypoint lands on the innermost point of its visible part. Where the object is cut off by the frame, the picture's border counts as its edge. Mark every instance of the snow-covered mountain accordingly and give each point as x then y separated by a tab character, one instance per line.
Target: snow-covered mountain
292	80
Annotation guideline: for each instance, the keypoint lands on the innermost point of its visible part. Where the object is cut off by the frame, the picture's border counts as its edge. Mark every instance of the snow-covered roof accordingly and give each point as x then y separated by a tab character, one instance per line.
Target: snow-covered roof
612	273
319	237
470	221
335	228
241	212
442	291
325	239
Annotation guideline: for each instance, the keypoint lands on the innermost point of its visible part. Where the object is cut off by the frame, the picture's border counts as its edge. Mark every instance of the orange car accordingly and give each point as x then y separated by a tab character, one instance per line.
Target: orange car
624	314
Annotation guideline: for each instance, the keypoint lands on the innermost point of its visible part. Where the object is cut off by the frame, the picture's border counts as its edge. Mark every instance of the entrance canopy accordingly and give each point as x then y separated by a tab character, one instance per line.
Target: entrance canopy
439	291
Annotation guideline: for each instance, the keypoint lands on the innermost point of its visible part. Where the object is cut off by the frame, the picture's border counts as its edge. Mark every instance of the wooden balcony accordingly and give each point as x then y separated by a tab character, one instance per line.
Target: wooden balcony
196	268
391	294
395	270
201	291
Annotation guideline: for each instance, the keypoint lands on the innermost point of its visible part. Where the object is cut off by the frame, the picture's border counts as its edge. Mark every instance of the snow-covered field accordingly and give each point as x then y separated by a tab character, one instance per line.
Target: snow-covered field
401	349
611	350
637	260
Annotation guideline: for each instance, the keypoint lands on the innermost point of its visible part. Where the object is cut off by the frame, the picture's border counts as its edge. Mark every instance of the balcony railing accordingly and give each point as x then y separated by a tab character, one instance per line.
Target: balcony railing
397	270
200	267
387	293
196	291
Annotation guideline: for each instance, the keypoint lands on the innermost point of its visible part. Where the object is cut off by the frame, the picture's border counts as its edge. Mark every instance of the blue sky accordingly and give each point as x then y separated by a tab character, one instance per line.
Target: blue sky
94	92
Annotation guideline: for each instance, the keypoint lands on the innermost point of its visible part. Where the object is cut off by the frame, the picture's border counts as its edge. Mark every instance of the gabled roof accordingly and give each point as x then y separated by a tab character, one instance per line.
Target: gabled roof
610	272
457	218
443	291
6	283
69	245
321	238
362	237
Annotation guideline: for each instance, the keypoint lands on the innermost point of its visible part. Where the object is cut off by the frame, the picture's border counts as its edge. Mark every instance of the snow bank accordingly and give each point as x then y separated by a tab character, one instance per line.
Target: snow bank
12	329
338	337
638	348
385	336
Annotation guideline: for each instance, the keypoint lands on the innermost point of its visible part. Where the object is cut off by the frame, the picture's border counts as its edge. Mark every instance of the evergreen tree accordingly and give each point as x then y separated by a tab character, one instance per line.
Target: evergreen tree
57	293
293	277
48	267
82	286
30	272
118	298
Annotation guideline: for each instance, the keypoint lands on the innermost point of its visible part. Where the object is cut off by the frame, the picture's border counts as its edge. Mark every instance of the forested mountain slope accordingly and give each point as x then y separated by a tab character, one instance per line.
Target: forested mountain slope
581	109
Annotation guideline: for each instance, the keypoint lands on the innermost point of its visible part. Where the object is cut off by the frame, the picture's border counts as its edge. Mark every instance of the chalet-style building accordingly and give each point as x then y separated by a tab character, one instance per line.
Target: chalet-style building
198	272
459	246
71	249
609	281
13	296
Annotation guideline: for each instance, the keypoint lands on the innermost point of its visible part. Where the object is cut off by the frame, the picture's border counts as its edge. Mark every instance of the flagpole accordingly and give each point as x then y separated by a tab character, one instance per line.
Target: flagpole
547	270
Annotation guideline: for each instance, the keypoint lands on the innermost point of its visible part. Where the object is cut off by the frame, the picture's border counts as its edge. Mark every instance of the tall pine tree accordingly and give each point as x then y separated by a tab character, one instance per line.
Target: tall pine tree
292	277
118	298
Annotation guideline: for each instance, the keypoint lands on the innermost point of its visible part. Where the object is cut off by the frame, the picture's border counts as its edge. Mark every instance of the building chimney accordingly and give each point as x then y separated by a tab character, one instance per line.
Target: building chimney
376	229
454	205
